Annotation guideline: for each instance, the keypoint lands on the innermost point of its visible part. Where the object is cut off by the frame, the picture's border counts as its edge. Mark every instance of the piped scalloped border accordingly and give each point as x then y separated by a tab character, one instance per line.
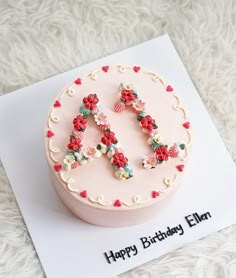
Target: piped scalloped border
83	193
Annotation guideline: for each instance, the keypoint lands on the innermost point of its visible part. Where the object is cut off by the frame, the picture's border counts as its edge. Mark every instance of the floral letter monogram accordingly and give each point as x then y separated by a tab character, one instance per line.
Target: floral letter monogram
78	155
161	152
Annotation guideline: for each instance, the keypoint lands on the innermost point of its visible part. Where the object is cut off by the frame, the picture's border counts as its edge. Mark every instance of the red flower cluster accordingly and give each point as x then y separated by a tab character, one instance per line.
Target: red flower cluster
127	95
75	144
90	102
79	123
119	160
148	123
108	138
162	153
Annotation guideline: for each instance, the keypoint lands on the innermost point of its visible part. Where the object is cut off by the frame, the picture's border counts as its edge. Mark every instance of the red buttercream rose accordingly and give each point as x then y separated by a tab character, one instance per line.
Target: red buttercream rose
108	138
119	160
147	122
90	102
75	144
162	153
79	123
127	95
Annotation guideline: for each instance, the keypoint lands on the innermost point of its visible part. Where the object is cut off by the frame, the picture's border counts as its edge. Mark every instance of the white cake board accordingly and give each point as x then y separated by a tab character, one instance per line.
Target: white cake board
68	247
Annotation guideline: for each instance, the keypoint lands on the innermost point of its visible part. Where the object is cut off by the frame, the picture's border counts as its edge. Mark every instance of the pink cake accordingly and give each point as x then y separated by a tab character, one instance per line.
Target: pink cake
117	140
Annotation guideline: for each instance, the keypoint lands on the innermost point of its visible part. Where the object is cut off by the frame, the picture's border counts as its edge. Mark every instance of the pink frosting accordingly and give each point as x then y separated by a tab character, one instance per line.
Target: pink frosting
97	177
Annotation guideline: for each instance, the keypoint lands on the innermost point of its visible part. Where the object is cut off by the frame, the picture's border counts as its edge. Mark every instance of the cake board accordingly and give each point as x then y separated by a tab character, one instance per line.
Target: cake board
57	235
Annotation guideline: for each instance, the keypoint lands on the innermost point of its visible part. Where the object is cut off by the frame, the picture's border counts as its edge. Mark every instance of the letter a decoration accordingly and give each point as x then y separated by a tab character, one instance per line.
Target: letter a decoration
161	152
78	155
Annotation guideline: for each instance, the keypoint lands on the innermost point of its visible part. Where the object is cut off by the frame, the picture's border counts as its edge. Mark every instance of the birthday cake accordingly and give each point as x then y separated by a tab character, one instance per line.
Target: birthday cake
117	140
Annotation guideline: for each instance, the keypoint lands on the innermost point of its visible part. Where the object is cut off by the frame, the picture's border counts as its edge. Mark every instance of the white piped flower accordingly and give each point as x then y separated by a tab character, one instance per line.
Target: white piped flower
139	105
68	161
122	175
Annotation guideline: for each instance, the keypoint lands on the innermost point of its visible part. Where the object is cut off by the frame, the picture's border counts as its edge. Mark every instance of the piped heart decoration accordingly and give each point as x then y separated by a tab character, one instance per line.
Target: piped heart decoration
180	167
105	68
83	194
78	81
169	89
136	69
57	103
186	125
50	134
57	167
155	194
117	203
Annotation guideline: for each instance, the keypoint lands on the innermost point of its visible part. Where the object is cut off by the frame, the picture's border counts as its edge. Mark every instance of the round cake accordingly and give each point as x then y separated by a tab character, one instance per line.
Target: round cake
117	140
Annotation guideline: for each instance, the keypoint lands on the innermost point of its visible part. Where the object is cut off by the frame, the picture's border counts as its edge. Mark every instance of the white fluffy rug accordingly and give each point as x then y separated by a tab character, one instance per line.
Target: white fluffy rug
39	39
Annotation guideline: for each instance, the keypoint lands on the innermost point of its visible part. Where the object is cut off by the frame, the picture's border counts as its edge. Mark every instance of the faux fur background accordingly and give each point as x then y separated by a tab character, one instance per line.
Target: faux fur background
39	39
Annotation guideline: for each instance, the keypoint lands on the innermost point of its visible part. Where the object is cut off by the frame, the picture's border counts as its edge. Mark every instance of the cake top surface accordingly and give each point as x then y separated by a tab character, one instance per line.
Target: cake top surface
118	137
